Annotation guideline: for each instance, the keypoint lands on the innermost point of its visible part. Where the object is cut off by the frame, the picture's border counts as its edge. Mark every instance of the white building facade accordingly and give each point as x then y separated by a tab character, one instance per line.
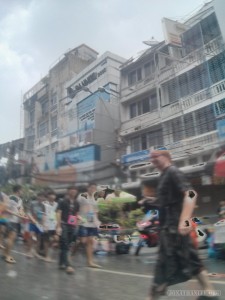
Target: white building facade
68	136
173	96
91	120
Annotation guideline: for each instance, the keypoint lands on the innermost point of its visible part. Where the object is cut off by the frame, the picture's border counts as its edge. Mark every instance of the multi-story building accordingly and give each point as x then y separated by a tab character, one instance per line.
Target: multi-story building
91	121
173	96
72	119
42	104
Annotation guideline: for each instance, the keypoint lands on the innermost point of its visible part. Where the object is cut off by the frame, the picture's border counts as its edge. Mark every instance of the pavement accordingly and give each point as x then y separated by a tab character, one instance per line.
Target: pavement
122	277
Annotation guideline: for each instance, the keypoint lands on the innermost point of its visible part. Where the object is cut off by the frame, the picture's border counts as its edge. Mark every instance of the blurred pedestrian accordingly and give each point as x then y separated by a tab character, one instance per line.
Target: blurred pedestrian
12	216
67	215
37	225
50	223
16	197
178	260
89	225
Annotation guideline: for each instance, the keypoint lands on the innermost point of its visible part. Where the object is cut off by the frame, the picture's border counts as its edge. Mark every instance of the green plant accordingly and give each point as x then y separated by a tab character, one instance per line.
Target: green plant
129	220
114	213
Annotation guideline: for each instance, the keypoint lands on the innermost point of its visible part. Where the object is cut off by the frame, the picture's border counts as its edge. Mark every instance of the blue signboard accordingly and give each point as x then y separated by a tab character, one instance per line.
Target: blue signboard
221	129
138	156
77	155
135	157
86	109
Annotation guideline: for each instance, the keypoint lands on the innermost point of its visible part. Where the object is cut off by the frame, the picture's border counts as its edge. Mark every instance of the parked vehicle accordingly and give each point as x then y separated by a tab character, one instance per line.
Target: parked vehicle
149	231
201	234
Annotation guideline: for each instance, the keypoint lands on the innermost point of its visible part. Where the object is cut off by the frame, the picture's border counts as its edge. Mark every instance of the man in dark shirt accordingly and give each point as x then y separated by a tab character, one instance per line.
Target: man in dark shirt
178	260
66	225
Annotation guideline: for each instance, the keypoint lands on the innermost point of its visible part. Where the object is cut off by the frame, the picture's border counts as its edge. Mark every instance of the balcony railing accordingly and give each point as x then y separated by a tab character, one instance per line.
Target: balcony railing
42	93
54	132
138	88
140	122
35	89
190	101
196	57
198	143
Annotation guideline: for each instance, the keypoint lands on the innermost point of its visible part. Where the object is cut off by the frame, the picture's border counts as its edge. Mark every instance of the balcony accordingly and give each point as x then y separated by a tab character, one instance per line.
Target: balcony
43	93
139	123
138	88
54	133
189	102
35	89
194	58
194	144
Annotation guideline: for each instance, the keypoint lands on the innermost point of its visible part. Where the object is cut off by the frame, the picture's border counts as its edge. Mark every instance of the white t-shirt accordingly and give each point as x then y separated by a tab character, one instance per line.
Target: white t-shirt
50	212
88	211
15	204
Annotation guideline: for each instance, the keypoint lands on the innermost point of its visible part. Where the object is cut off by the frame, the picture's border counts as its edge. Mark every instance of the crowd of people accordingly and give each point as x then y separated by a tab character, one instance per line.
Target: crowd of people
76	216
46	223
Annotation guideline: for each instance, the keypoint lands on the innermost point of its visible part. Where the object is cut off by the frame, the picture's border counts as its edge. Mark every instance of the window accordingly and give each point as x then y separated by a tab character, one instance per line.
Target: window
198	78
205	120
153	102
155	138
210	28
191	82
134	76
203	32
170	92
139	75
219	107
44	107
54	100
43	129
183	85
139	108
145	105
135	144
192	39
189	125
133	110
144	142
217	67
54	123
31	116
175	129
149	68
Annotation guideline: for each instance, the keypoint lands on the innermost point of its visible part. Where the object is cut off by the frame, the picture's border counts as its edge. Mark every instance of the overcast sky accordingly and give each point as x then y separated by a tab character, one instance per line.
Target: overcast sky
34	33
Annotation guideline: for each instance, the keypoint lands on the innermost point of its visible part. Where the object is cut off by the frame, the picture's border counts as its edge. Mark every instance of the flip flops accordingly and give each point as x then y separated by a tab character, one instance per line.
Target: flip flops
10	260
94	266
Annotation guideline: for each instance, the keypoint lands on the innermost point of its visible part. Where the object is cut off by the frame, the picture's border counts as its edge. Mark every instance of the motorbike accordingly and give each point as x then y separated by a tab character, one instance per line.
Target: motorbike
149	231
